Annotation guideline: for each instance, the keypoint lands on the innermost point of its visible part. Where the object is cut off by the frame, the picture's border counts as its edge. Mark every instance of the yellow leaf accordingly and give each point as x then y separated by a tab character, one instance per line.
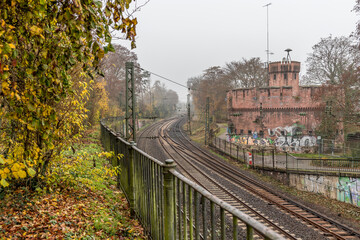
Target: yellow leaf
15	167
4	183
22	174
31	172
6	68
35	30
11	45
6	170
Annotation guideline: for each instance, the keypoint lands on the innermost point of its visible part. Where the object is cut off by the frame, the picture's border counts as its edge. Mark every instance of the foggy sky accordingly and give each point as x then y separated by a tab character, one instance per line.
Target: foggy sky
179	39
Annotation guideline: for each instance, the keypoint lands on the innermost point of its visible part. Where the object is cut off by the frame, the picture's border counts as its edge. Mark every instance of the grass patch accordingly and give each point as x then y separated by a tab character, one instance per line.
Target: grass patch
79	200
222	129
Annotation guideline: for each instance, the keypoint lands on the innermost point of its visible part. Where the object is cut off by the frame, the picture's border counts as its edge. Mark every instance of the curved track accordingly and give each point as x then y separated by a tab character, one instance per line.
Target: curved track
201	167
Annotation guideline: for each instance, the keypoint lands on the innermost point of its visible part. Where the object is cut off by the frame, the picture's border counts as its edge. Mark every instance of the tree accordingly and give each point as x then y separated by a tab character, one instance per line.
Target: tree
330	59
46	50
113	67
163	100
342	105
213	84
246	73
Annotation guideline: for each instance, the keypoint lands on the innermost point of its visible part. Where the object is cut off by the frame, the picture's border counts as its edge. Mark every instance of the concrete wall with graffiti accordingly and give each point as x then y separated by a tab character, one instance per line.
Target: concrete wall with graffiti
285	138
345	189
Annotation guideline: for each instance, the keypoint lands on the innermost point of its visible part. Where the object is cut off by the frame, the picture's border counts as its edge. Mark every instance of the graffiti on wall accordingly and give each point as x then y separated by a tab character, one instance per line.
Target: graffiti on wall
345	189
250	140
318	184
295	143
348	190
290	137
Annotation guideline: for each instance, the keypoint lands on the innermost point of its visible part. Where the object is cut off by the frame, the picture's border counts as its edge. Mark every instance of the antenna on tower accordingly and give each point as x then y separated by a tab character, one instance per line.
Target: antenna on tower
288	58
267	38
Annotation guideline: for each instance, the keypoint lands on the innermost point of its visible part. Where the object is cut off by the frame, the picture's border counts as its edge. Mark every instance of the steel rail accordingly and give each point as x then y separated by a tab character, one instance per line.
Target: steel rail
236	180
210	179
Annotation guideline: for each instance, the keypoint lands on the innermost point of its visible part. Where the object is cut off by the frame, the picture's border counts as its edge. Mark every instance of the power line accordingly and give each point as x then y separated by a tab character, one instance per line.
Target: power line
167	79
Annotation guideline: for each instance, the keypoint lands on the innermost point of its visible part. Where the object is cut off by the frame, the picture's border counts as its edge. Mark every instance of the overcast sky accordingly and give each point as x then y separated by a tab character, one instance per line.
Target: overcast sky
179	39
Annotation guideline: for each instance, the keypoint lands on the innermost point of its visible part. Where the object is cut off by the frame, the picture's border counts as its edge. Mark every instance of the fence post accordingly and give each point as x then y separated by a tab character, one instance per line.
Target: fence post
237	152
230	145
262	158
273	158
286	163
131	177
252	154
169	206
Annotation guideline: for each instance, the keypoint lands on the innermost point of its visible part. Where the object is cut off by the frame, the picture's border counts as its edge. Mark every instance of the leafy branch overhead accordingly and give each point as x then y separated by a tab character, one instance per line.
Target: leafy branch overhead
48	48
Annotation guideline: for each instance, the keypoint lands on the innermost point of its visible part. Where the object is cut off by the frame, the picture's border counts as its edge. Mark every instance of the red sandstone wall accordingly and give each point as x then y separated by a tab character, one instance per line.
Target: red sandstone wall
273	97
281	108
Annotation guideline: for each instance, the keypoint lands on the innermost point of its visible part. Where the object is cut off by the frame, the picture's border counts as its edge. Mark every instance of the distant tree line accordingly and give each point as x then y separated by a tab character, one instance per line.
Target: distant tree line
216	80
152	101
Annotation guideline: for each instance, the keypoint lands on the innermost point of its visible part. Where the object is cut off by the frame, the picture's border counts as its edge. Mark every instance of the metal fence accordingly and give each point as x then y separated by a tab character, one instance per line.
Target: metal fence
171	206
347	148
270	158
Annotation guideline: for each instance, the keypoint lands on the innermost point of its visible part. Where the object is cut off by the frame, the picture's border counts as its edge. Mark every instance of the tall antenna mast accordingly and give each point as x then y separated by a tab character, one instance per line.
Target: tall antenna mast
267	38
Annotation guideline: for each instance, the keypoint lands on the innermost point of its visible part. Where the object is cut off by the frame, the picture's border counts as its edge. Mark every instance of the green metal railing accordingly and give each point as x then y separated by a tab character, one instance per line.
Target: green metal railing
169	205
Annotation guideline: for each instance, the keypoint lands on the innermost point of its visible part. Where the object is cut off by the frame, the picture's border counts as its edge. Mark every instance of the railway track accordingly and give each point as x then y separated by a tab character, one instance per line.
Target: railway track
201	167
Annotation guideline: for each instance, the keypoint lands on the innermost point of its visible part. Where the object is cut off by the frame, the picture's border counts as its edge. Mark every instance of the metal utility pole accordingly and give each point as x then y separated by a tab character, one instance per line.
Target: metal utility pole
261	118
207	121
188	112
267	39
130	114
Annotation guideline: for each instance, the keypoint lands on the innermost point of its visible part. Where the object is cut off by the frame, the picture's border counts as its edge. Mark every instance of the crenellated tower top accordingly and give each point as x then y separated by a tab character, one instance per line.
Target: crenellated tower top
284	73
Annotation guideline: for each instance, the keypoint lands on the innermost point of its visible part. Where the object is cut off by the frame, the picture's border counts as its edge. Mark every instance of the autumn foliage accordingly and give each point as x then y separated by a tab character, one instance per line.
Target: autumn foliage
49	49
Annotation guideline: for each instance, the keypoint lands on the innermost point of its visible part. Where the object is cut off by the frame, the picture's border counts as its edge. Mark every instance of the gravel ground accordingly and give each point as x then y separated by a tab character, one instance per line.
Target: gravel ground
273	213
152	147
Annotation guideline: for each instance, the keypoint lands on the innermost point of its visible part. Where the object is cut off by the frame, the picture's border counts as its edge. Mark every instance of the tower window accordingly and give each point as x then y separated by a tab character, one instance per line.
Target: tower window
294	75
274	76
285	76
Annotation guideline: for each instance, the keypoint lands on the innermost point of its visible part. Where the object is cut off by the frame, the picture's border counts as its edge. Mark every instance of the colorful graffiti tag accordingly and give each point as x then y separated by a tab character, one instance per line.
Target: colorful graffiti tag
250	140
282	137
348	190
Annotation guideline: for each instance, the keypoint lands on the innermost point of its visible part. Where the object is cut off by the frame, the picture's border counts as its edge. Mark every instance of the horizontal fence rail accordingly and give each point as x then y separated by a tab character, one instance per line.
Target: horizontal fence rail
169	205
269	158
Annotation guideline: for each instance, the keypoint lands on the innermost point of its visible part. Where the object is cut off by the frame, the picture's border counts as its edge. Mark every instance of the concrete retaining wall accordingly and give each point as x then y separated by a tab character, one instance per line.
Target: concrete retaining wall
345	189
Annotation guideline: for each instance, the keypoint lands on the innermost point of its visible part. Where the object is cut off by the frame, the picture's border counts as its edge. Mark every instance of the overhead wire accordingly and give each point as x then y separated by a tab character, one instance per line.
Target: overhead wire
167	79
